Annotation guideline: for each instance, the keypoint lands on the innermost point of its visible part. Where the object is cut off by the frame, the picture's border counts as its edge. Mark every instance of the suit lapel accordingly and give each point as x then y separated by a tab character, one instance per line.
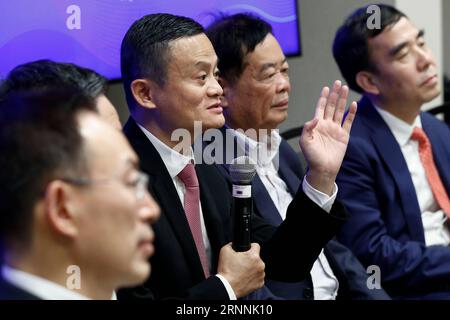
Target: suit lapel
391	153
264	203
211	214
289	171
261	197
286	172
165	194
335	266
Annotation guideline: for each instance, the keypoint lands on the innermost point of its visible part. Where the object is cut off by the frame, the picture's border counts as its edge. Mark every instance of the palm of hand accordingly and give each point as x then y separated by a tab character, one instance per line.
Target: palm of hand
324	139
324	147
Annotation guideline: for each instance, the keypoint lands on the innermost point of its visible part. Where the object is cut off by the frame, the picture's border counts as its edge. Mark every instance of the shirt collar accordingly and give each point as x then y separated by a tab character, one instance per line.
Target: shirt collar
261	152
40	287
401	130
174	161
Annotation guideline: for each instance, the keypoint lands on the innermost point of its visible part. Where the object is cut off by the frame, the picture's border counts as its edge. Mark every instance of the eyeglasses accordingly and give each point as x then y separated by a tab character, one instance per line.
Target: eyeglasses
140	184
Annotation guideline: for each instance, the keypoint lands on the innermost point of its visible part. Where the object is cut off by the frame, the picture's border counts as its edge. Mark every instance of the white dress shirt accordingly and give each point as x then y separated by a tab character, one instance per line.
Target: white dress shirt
40	287
175	163
266	156
433	217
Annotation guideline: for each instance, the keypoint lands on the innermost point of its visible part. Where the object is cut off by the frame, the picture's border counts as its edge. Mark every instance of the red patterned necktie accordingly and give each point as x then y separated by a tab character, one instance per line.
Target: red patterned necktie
192	210
426	156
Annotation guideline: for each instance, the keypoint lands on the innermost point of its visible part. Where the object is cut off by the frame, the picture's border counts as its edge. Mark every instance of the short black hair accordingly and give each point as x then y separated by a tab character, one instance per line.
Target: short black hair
350	46
47	74
39	140
233	37
145	49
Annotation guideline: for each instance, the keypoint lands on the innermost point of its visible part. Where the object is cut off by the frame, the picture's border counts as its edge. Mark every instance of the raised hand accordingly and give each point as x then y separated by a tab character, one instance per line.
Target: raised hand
324	139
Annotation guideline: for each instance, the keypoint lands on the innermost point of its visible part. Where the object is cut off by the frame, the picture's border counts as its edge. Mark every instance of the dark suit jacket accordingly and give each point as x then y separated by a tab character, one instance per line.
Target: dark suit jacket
176	267
386	227
350	273
11	292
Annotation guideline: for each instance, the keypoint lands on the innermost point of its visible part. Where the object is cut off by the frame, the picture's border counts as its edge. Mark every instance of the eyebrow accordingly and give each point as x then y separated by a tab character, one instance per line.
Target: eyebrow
400	46
204	64
266	66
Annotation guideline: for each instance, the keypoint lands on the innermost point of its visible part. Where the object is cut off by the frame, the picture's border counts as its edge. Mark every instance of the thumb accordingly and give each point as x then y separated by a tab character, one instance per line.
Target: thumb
255	247
308	128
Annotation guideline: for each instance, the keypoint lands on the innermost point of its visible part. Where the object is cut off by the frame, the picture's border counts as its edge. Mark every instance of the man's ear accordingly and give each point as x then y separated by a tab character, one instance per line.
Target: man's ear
142	92
226	92
60	208
367	81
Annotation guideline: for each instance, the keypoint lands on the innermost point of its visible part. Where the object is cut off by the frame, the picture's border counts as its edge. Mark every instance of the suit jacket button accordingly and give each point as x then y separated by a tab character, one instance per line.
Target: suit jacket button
308	294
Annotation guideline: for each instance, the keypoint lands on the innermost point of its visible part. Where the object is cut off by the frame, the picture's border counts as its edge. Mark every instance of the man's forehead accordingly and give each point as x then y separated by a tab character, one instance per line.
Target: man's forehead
398	32
188	43
260	57
261	62
102	140
193	49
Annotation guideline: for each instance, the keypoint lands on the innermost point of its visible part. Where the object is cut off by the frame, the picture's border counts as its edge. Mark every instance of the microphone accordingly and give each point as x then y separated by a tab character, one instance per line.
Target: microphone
242	172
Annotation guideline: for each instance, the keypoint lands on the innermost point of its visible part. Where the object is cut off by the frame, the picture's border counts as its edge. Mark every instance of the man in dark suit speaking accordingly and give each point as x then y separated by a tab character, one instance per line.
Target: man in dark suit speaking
170	74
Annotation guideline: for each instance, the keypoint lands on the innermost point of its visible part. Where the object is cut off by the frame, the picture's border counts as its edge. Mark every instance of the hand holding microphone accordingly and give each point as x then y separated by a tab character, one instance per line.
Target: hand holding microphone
239	262
244	271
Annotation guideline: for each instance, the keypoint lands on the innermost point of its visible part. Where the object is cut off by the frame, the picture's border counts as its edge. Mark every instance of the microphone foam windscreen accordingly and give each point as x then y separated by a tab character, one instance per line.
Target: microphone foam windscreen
242	170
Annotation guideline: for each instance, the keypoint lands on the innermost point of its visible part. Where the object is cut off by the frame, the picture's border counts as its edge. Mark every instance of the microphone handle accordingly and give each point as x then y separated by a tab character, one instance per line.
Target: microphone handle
242	224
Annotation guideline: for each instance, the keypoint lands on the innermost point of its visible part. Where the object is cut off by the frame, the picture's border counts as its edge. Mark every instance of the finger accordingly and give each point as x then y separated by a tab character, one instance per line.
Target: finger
307	132
350	117
255	247
309	126
340	109
332	100
227	246
263	265
321	103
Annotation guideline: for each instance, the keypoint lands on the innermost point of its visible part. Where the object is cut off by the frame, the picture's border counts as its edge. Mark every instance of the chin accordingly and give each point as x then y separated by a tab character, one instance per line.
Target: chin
139	274
429	98
279	119
434	94
431	94
216	123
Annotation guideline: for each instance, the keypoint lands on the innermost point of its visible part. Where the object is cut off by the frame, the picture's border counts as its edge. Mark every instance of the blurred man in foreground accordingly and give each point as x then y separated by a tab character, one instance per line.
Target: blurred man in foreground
74	210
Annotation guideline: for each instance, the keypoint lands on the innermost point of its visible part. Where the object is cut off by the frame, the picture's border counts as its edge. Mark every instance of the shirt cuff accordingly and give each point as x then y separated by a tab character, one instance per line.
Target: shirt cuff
227	287
321	199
